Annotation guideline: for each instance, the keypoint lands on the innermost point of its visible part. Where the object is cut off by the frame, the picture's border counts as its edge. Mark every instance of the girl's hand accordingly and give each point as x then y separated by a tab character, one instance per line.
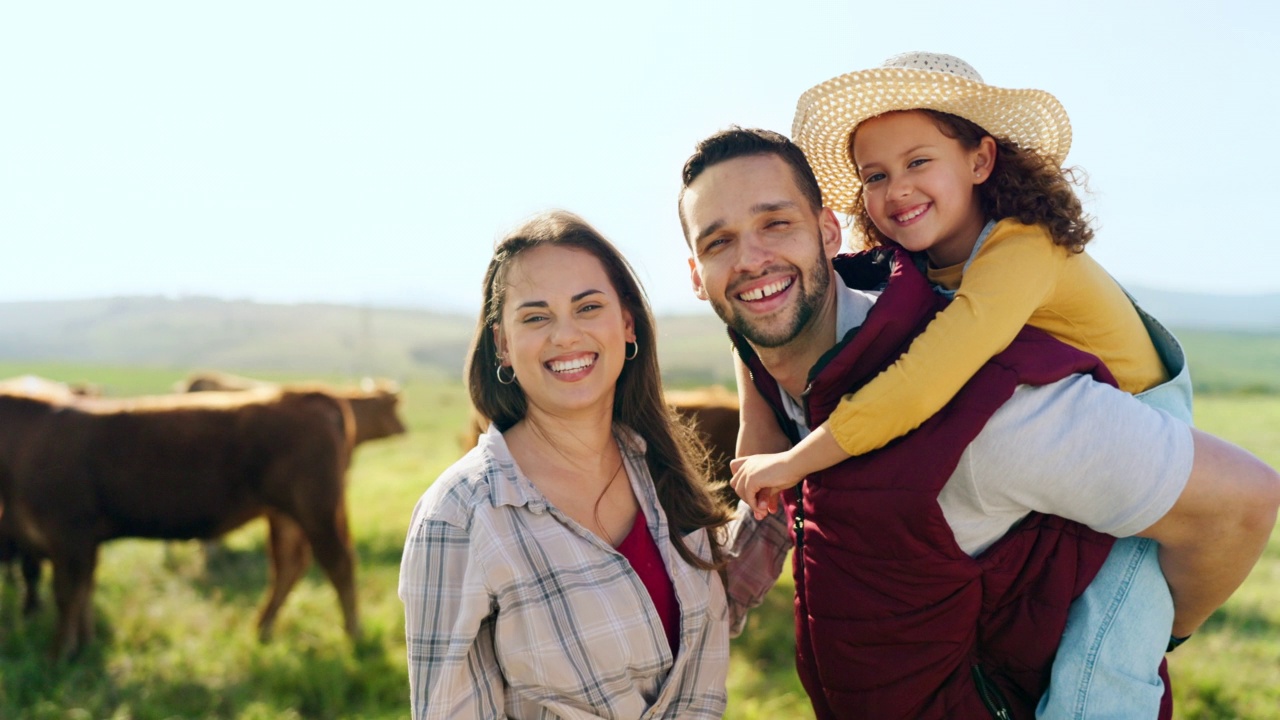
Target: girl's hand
758	479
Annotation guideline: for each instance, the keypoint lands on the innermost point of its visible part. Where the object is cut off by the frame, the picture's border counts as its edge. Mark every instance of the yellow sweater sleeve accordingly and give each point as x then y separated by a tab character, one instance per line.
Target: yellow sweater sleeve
1011	276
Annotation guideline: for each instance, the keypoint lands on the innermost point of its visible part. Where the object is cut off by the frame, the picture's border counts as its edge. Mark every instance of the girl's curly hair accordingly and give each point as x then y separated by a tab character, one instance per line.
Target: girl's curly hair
1023	185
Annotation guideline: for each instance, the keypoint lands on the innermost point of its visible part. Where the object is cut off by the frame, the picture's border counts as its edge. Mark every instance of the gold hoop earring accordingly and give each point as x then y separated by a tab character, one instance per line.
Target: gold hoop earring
506	382
634	352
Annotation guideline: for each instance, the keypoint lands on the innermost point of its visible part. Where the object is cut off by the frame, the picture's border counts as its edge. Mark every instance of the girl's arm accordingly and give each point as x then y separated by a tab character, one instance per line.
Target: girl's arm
759	478
453	669
1010	278
764	453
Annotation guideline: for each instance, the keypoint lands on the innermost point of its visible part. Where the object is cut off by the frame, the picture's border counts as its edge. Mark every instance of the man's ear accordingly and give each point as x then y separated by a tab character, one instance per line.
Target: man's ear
983	159
829	227
696	278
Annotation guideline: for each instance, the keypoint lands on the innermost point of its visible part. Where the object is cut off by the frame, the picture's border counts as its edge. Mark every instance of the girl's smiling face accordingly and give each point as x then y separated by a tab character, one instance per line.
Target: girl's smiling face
563	331
920	186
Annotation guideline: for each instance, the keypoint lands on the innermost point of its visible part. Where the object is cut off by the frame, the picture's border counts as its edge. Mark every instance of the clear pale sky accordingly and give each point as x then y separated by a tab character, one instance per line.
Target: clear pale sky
372	152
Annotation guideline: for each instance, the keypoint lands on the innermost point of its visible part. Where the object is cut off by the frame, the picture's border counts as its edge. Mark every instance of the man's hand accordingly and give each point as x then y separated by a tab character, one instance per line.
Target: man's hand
1216	531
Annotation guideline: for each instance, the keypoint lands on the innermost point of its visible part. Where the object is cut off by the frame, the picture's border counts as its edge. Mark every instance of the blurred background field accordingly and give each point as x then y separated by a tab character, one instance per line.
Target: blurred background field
169	167
176	636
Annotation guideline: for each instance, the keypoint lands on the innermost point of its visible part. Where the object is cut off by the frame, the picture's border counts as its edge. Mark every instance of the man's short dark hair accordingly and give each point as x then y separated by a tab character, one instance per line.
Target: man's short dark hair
739	142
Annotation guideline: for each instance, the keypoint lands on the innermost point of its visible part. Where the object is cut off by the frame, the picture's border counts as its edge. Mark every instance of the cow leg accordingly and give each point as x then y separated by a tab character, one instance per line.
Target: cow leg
31	578
332	544
73	590
214	550
289	556
86	614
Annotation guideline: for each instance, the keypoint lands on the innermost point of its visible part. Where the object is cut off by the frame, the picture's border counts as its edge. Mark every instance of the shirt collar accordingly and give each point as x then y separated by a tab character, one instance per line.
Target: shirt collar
852	307
511	486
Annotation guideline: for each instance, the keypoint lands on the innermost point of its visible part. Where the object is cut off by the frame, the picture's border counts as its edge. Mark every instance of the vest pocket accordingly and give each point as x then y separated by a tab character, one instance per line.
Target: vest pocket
991	695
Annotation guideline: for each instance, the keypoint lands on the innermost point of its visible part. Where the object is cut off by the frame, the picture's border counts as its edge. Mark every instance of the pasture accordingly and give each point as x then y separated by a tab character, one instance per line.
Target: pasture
176	636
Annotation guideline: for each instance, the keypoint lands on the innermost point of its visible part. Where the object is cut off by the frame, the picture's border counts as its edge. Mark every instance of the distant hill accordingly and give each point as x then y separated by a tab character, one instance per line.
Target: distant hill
1259	313
332	340
1234	342
209	333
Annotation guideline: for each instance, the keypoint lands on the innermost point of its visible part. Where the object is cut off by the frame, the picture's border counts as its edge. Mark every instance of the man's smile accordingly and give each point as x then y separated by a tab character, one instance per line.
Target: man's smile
760	293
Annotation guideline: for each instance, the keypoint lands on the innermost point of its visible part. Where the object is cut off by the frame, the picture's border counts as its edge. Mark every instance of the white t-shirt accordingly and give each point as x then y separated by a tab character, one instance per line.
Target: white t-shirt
1075	448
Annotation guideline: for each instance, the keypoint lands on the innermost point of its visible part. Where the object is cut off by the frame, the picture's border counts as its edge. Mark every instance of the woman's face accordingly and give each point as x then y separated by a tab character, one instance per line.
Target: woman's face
563	331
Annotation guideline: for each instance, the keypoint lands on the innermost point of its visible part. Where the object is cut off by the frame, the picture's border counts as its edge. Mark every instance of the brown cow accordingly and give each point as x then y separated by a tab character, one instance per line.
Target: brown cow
374	404
375	409
34	385
11	550
74	474
218	381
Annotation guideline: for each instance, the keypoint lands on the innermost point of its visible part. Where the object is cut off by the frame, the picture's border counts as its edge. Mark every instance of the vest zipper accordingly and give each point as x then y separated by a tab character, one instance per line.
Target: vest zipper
797	524
991	696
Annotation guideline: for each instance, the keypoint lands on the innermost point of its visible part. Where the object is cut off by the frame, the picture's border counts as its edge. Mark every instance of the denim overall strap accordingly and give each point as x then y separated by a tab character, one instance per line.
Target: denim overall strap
1173	396
977	245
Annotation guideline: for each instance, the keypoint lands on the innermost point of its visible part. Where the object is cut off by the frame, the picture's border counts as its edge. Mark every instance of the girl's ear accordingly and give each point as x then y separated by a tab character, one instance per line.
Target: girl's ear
983	159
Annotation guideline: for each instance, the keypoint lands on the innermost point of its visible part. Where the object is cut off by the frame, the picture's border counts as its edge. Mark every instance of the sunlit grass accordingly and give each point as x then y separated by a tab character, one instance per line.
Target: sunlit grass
176	636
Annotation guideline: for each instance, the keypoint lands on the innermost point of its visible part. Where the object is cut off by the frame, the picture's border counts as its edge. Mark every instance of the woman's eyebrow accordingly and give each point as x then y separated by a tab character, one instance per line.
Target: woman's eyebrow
543	303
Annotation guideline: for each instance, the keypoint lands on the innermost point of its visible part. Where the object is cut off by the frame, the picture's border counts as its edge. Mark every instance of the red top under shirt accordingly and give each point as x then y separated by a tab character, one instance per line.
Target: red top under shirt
641	551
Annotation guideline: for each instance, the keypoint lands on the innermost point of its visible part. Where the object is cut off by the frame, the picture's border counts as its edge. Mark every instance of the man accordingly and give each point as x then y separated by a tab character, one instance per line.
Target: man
896	617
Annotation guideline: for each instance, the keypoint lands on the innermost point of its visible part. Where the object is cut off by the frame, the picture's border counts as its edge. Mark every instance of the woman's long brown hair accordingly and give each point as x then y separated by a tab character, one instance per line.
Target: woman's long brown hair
676	456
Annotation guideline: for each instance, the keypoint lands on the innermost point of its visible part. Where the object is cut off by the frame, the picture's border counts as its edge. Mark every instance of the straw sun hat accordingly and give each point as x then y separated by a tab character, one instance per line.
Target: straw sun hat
827	114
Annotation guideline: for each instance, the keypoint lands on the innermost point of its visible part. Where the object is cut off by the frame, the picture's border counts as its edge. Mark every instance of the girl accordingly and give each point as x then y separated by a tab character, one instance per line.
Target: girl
924	154
566	566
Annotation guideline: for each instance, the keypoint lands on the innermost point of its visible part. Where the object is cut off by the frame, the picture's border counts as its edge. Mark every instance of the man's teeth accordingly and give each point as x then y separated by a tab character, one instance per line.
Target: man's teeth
771	289
571	365
912	215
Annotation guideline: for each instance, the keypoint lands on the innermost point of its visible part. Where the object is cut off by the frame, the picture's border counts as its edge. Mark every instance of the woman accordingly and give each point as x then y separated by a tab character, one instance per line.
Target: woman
565	566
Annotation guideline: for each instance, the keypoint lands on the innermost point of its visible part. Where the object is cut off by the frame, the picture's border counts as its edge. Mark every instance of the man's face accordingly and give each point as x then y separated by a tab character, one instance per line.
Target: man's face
761	255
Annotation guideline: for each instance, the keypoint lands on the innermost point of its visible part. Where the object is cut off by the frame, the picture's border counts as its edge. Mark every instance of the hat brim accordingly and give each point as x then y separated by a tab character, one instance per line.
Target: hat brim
827	114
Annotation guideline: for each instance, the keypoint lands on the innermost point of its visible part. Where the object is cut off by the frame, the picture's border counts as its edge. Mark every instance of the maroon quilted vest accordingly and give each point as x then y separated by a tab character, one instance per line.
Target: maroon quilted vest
893	620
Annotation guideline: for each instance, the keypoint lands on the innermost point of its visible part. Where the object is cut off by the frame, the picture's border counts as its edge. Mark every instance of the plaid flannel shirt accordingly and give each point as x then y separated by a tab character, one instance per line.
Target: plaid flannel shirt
512	609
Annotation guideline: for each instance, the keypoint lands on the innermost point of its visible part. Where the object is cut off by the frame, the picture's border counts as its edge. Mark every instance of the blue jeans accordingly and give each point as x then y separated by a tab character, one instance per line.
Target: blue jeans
1108	662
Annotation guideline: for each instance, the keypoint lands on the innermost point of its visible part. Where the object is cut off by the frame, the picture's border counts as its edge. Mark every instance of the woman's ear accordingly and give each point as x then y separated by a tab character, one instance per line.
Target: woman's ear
983	159
629	325
500	343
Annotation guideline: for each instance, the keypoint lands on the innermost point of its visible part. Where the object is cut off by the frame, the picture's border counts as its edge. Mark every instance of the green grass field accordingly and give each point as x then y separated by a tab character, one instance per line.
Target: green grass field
176	636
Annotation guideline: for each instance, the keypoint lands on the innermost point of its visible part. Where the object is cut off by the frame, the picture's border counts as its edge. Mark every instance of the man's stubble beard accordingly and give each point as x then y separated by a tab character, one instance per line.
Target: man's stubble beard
806	306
